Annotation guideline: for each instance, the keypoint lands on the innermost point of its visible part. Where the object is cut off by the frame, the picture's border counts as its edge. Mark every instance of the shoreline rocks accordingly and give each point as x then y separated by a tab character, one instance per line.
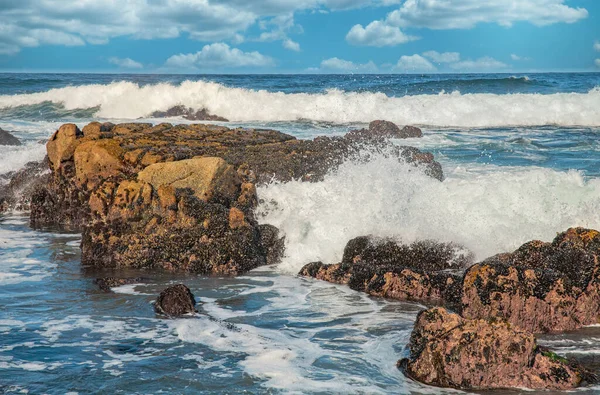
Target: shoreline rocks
422	271
17	193
182	198
449	351
107	283
541	287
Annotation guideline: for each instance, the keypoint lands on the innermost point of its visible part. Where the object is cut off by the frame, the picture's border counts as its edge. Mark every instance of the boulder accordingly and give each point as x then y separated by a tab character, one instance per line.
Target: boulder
62	144
541	287
6	138
447	350
422	271
97	160
175	301
211	179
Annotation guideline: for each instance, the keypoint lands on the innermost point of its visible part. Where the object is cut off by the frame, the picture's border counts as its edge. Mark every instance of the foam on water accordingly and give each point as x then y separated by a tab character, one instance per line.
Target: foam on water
487	209
130	100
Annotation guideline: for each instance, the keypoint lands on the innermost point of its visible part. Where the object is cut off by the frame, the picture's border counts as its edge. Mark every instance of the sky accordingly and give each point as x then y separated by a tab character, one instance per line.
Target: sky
299	36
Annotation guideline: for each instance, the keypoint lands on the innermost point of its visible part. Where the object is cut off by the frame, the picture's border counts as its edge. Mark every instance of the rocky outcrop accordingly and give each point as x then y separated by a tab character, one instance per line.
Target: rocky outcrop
541	287
447	350
422	271
6	138
107	283
189	114
181	198
175	301
17	192
385	130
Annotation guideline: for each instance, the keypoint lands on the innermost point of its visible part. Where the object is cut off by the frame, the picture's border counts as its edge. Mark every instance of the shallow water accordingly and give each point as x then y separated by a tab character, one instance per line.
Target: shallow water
517	165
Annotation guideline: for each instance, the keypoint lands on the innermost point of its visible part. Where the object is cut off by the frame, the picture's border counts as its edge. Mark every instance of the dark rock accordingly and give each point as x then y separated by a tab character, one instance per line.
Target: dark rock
175	301
17	193
6	138
188	113
106	283
541	287
447	350
424	270
383	130
272	243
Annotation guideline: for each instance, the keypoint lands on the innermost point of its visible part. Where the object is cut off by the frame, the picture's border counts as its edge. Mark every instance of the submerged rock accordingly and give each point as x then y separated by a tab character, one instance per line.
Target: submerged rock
424	270
106	283
188	113
447	350
6	138
541	287
175	301
385	130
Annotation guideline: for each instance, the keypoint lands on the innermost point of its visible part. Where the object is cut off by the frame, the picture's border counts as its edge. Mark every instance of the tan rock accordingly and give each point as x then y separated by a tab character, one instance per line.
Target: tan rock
93	130
62	144
209	178
237	219
97	160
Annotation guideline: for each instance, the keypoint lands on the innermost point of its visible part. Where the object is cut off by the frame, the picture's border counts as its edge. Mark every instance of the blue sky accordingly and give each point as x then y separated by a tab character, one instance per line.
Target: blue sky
299	36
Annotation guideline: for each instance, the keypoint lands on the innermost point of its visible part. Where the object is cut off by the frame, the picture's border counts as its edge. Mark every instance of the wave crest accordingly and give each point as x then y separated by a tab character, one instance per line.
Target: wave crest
127	100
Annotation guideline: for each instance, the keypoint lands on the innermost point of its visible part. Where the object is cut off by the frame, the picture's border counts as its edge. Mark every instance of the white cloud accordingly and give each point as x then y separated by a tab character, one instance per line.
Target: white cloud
377	34
31	23
291	45
218	55
597	46
446	57
515	57
465	14
414	63
597	62
126	63
346	66
482	64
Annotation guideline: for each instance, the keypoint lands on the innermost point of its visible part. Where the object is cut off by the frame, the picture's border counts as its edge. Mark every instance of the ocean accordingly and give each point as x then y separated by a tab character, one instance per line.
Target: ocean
521	156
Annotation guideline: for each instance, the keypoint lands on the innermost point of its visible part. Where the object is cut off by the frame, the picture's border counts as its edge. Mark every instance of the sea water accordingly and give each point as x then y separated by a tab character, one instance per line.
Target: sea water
521	156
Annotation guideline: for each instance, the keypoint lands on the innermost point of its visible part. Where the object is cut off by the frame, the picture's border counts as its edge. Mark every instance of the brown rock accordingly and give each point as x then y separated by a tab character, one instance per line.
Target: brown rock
175	301
17	193
209	178
423	271
447	350
541	287
62	144
97	160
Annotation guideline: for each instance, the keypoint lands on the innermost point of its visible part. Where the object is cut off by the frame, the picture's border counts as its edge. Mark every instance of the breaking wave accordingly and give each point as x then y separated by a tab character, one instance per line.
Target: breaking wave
127	100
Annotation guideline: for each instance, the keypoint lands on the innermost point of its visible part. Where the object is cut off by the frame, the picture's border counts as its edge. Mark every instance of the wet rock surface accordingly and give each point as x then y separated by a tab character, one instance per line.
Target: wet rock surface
423	271
107	283
175	301
17	193
6	138
447	350
541	287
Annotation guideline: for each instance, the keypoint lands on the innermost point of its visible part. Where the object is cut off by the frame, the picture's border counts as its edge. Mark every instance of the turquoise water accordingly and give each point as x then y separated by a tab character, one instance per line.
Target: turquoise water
521	158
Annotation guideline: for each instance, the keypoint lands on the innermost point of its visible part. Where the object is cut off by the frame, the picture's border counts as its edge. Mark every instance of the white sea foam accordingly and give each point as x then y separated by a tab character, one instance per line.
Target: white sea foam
132	101
488	209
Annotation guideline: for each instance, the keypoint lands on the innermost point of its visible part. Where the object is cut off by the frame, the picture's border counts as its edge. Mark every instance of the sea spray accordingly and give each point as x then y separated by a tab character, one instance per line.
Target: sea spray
488	209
